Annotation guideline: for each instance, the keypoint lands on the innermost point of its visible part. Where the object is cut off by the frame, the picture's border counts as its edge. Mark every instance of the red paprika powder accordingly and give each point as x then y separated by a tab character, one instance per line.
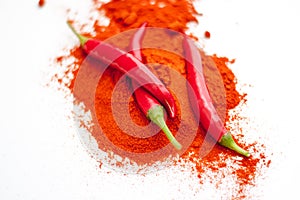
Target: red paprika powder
125	15
207	34
41	3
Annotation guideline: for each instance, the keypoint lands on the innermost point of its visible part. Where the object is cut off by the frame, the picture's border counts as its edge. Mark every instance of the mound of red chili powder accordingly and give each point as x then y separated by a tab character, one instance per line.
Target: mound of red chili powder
125	15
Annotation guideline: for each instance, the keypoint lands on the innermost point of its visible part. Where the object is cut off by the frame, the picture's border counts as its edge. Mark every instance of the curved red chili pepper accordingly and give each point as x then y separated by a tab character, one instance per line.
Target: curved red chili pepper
146	102
130	65
201	101
136	40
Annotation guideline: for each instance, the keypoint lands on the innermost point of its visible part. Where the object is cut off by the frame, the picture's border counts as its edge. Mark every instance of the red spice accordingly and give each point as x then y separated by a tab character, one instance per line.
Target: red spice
125	15
232	96
163	13
41	3
207	34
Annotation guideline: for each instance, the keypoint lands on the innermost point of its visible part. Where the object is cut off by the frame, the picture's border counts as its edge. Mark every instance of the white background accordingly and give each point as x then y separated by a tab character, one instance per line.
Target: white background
40	154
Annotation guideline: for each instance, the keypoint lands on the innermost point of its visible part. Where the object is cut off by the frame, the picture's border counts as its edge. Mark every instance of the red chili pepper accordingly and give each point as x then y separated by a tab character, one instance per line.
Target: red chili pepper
134	68
136	40
153	110
147	103
208	115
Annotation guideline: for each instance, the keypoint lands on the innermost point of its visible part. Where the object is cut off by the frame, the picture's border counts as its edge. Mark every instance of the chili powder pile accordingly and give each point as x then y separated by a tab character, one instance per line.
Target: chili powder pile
174	15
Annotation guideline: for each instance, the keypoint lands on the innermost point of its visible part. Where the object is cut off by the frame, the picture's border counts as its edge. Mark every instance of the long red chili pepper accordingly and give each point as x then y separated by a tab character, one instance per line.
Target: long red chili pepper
208	115
136	40
147	103
133	67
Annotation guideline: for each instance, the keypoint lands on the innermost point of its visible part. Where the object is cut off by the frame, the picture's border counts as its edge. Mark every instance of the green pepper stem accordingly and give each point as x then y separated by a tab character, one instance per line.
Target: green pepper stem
156	115
227	141
81	38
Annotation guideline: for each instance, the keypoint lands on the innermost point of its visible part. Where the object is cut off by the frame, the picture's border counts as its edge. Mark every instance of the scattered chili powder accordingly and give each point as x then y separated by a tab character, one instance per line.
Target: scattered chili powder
41	3
175	15
207	34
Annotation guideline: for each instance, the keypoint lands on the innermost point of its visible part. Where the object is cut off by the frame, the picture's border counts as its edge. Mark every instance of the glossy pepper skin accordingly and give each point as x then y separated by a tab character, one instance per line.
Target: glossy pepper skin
201	101
136	41
153	110
146	102
133	67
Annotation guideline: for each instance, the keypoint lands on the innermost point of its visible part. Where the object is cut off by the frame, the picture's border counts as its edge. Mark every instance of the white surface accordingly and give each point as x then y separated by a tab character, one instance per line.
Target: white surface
40	154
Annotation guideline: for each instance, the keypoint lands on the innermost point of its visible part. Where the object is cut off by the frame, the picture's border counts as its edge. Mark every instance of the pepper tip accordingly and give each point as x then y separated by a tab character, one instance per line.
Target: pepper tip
227	141
156	115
